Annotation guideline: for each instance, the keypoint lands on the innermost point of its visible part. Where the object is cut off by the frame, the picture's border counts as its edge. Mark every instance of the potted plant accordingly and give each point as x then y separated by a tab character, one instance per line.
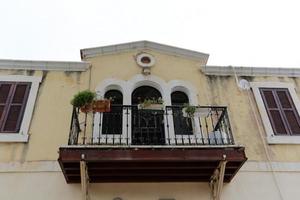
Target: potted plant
152	104
84	100
87	102
188	110
194	111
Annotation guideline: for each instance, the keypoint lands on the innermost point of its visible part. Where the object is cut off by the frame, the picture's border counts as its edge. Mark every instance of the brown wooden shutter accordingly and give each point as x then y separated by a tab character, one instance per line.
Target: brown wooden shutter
289	111
273	110
4	93
281	110
12	105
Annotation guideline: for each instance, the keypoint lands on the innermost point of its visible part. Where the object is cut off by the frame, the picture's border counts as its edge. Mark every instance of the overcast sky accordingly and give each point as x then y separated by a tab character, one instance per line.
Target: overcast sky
234	32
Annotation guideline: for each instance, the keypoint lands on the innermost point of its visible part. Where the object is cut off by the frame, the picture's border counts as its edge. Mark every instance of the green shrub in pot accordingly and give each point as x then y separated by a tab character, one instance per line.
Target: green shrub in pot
83	98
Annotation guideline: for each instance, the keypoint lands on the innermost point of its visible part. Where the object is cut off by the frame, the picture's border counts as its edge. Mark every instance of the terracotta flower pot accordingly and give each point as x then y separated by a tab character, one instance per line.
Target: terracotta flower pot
86	108
101	106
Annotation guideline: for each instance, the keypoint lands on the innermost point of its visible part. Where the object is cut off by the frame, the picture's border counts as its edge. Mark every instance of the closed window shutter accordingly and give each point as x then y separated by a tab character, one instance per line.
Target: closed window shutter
289	111
273	110
4	93
281	110
13	103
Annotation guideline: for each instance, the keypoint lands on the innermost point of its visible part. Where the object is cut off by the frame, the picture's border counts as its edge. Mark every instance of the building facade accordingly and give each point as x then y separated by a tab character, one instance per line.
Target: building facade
241	139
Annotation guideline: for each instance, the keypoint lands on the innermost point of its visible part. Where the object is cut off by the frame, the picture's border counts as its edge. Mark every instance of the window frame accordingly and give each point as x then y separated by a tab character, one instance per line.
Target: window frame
271	137
22	135
9	103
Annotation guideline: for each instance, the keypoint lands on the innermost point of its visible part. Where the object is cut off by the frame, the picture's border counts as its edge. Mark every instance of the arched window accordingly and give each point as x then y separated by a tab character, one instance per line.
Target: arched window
144	92
182	125
112	121
179	98
115	95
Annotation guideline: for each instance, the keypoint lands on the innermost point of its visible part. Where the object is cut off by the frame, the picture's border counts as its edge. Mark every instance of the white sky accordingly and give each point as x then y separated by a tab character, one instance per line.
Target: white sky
234	32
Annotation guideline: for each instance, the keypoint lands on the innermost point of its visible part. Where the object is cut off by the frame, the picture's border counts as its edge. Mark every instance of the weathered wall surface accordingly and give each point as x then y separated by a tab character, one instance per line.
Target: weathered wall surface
50	124
212	90
51	119
224	91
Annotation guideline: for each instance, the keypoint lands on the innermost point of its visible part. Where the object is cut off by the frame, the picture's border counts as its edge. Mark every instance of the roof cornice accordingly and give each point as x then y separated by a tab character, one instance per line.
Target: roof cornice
250	71
141	45
44	65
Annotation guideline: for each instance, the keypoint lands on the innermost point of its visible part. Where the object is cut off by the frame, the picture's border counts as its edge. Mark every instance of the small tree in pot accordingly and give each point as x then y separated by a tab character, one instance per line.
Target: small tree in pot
84	100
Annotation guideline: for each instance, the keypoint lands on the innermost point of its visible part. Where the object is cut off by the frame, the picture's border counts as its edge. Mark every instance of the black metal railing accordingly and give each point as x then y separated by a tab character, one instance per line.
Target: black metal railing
126	125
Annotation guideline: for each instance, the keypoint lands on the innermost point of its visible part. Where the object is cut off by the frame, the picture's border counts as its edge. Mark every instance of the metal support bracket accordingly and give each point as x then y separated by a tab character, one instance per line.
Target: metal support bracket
84	178
217	179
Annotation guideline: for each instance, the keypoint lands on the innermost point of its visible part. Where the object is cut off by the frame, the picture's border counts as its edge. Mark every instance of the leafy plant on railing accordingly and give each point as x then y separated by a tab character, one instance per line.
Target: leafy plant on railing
188	110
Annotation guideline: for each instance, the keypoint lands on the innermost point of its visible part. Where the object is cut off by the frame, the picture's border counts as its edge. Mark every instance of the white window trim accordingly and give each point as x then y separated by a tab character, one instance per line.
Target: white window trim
22	135
187	88
271	137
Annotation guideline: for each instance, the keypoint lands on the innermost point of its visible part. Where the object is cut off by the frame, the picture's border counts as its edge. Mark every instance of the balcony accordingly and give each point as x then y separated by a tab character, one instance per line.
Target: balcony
138	145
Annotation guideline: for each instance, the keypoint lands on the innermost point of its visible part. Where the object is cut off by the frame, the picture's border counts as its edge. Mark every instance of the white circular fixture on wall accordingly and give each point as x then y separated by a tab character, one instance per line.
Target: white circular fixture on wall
145	60
244	84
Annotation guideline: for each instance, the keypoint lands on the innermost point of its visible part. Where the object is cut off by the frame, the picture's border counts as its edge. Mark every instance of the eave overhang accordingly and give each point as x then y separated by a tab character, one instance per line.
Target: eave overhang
44	65
250	71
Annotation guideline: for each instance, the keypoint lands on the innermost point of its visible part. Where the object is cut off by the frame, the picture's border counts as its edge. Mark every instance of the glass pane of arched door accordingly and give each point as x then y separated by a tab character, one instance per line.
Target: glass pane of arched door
112	121
147	125
182	125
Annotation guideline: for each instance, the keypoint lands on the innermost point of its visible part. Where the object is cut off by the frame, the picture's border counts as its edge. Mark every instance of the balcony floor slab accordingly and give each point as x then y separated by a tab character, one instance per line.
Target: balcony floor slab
150	164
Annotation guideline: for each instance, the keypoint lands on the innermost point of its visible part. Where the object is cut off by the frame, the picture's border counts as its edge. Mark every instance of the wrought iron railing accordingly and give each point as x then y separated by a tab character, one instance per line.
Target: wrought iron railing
126	125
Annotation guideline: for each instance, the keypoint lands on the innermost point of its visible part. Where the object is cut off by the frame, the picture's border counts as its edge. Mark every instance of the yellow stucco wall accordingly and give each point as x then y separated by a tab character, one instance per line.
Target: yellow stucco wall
51	118
52	186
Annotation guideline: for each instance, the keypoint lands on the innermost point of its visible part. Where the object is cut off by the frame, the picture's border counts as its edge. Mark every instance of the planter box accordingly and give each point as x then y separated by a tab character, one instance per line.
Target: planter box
101	106
96	106
199	112
151	107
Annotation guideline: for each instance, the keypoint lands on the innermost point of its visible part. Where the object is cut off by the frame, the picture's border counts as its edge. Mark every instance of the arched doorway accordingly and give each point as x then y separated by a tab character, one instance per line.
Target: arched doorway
182	125
112	121
147	125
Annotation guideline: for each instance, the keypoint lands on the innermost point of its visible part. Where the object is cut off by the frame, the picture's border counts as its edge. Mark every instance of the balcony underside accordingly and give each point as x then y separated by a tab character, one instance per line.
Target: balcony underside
149	164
